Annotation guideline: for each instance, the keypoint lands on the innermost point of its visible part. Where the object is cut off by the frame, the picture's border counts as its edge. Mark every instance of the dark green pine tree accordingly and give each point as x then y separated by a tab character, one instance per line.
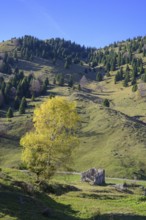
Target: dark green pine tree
22	106
60	79
143	77
7	92
125	82
113	65
54	81
24	101
108	74
106	103
144	52
66	65
33	98
134	88
16	102
44	89
133	81
99	77
19	91
116	79
79	87
119	59
9	113
135	71
141	69
127	68
70	82
46	81
108	67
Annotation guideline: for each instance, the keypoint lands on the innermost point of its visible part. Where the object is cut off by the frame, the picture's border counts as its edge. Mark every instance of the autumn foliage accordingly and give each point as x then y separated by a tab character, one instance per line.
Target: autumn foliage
50	144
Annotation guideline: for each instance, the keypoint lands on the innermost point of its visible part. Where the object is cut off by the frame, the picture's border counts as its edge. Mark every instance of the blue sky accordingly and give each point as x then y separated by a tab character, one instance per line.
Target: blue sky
87	22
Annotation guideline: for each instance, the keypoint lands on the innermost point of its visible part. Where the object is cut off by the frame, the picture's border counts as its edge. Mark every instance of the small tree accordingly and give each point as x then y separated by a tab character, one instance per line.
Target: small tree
44	89
66	65
134	88
22	106
9	113
24	102
106	103
133	81
16	103
143	77
47	81
99	77
108	74
70	82
50	144
33	98
60	79
1	99
125	82
79	87
54	81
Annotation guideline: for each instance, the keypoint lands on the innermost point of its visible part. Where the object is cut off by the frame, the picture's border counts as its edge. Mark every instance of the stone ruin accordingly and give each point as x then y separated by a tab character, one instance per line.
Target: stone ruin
83	81
97	177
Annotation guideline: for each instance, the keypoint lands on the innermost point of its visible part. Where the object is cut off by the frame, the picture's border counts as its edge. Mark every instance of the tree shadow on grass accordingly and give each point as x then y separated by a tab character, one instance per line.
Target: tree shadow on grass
117	217
28	66
15	204
101	197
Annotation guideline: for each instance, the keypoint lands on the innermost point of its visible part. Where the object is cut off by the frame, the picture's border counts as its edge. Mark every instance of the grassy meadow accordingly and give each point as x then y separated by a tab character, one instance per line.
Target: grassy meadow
68	198
111	138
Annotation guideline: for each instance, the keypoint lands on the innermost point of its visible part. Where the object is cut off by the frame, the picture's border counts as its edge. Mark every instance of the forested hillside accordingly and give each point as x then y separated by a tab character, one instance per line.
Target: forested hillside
110	78
109	87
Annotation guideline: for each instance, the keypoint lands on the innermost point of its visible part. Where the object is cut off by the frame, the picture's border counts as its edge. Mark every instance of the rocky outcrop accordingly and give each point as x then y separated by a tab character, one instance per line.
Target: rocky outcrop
97	177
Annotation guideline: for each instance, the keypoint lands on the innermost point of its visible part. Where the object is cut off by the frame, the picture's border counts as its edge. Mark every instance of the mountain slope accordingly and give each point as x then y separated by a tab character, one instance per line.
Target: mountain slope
112	138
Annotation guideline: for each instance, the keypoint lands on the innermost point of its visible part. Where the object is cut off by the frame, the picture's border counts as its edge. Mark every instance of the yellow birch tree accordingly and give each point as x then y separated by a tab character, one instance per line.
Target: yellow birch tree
50	144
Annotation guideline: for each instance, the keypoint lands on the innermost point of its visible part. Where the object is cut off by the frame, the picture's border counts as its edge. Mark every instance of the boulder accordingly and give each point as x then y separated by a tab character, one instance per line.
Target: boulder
93	175
99	178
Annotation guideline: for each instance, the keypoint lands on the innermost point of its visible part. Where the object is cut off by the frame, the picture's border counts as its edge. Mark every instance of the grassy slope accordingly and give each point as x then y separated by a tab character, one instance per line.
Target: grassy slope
108	138
7	46
87	202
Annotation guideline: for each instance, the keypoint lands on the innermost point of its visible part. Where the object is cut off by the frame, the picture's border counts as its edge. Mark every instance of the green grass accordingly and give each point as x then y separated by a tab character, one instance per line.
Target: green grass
108	138
86	202
101	199
6	46
111	138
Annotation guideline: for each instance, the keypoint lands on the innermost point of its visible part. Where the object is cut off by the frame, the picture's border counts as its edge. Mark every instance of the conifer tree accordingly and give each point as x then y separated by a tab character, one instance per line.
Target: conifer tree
22	106
24	102
133	81
70	83
106	103
125	82
79	87
134	88
9	113
99	77
54	81
44	89
33	98
16	102
46	81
